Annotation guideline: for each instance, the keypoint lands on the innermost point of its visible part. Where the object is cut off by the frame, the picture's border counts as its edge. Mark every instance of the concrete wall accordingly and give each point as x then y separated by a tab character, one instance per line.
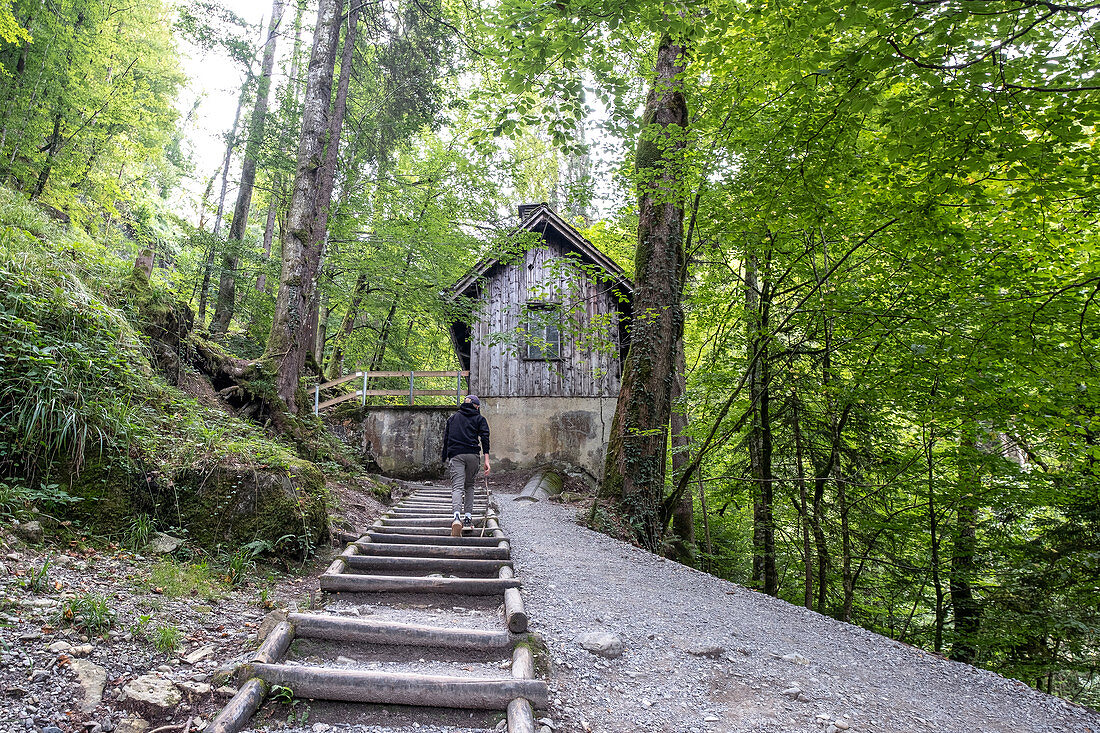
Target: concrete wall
564	431
525	432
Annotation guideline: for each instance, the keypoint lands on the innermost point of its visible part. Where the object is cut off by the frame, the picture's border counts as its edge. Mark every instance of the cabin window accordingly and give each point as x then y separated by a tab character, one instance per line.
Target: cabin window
542	331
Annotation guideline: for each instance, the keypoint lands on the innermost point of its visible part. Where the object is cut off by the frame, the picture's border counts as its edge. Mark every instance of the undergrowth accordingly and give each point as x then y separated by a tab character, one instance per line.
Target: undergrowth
77	387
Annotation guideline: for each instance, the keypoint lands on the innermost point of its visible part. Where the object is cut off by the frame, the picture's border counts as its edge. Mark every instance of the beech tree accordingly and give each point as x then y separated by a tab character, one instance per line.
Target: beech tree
291	337
635	467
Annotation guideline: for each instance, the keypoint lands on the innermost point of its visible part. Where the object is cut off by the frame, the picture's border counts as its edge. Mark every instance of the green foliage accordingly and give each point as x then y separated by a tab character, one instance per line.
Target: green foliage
89	613
19	498
241	563
185	579
89	115
166	638
282	694
38	579
65	355
139	532
142	625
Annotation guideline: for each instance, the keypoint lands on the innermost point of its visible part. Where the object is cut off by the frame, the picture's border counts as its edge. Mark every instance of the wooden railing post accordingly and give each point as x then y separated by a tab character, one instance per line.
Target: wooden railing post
363	403
412	380
458	388
316	399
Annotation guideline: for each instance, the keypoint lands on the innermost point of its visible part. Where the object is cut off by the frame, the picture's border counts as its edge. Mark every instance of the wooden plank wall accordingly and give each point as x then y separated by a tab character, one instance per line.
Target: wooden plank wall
498	369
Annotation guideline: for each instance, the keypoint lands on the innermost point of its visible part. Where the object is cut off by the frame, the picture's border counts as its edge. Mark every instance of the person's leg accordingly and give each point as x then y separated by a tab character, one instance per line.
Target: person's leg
456	474
468	486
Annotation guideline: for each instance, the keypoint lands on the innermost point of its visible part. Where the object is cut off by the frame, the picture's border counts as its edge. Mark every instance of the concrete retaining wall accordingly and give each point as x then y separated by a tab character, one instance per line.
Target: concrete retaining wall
525	432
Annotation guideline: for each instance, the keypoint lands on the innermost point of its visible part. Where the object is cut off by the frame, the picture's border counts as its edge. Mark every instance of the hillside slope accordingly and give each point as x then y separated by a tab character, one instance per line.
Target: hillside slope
779	667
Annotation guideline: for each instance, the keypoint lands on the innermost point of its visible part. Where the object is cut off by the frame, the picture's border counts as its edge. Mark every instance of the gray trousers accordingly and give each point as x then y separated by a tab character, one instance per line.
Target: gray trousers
461	471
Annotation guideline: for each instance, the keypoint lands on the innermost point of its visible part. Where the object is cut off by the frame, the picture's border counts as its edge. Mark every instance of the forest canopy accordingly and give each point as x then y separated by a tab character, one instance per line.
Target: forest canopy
865	237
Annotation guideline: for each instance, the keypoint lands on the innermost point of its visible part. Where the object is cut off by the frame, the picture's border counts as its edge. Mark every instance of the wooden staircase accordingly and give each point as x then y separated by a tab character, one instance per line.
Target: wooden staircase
410	550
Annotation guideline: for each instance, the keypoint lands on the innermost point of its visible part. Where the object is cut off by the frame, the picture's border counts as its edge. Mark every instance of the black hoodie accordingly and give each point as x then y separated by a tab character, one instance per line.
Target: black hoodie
464	429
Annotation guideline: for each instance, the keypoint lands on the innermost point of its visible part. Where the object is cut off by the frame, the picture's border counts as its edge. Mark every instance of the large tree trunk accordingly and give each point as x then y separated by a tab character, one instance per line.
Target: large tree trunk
313	323
635	468
291	337
223	310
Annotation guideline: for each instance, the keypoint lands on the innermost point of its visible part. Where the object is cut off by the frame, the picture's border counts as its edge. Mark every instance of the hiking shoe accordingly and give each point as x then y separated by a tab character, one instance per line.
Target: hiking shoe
456	528
468	522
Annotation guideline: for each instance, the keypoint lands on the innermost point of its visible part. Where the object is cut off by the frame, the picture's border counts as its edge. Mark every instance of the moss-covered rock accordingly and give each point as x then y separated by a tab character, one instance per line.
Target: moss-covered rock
233	503
283	506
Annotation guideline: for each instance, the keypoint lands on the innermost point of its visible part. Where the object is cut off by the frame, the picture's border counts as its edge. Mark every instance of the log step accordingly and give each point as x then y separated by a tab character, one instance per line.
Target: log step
412	530
431	514
393	688
426	521
342	628
444	492
424	565
424	539
416	584
394	549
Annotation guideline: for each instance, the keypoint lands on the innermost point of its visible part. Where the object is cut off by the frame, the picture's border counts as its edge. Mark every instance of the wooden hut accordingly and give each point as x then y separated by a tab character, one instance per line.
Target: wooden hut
543	336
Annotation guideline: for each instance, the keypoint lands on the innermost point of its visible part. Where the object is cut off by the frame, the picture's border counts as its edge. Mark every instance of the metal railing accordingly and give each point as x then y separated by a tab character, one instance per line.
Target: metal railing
363	393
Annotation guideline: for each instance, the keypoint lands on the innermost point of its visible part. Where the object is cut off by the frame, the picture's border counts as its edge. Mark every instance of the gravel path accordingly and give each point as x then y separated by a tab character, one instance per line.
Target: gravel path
697	653
703	654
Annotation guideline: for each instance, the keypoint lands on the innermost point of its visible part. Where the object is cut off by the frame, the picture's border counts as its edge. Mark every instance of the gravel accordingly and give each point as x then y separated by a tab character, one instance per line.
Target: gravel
704	654
633	642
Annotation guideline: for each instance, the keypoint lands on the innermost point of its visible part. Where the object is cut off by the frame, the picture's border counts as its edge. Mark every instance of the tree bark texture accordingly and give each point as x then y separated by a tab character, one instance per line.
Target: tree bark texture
227	285
291	337
314	325
635	467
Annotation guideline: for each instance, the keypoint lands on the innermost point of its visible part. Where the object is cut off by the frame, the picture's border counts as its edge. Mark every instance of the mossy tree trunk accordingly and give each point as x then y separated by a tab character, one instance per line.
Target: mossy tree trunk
638	446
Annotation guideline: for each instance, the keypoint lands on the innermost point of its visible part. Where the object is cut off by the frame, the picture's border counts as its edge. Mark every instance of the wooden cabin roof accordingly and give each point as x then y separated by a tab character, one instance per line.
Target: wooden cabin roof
541	219
537	218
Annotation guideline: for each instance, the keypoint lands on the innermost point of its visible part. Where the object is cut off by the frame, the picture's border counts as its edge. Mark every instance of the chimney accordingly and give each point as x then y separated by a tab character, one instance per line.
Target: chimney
525	210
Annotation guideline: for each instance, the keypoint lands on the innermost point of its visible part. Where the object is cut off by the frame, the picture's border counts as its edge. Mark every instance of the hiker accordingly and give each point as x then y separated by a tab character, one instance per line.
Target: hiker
465	429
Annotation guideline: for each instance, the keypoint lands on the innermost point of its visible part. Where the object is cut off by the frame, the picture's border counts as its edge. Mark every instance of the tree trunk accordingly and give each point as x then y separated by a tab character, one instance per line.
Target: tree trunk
847	582
208	266
934	535
269	236
347	54
967	612
347	325
758	310
635	467
291	337
223	310
803	511
319	336
682	548
52	148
